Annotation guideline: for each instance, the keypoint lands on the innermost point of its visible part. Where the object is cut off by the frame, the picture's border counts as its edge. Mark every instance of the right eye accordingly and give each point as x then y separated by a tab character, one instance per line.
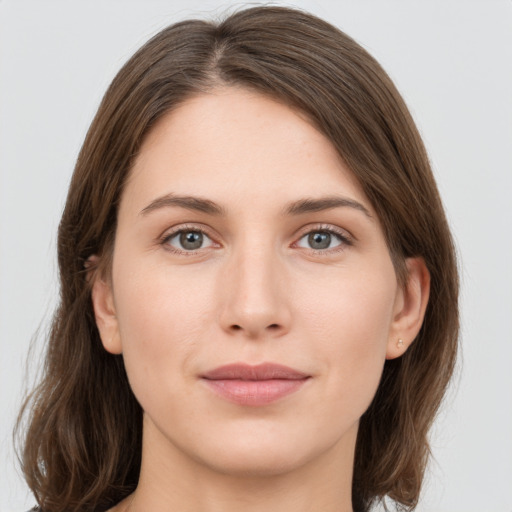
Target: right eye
188	240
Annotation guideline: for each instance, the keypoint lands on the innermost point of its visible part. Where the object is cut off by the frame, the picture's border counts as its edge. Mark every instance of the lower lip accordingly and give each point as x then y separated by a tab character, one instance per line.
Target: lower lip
254	392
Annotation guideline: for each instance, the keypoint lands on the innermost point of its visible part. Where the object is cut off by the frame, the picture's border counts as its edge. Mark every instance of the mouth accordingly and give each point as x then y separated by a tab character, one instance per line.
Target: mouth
258	385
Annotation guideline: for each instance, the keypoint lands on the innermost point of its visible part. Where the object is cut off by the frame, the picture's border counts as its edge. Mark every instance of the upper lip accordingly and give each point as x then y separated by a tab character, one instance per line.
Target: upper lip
263	371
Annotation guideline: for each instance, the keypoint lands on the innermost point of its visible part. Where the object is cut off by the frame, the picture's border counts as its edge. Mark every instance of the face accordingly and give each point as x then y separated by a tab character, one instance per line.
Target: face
243	239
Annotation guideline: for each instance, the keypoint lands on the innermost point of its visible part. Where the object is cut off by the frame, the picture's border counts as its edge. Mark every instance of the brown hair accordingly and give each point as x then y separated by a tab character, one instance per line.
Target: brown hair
80	453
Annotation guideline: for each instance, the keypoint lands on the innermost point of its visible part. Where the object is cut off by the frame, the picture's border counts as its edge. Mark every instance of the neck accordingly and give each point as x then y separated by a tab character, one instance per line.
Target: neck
171	480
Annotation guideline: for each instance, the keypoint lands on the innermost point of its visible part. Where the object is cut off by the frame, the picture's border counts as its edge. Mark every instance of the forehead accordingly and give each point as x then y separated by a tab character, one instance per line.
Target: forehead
234	143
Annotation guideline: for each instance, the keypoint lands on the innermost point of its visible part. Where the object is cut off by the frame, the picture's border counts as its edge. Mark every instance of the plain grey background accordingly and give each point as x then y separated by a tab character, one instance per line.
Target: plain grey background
452	61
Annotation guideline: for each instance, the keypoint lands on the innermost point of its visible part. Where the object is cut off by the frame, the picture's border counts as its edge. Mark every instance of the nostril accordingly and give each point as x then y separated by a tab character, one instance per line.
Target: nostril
273	326
236	327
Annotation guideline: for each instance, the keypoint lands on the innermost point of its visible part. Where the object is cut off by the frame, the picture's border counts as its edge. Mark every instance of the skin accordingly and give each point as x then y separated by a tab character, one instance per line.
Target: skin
254	292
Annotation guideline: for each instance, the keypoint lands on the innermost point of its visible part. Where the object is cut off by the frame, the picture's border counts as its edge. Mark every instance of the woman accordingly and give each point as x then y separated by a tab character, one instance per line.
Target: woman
258	284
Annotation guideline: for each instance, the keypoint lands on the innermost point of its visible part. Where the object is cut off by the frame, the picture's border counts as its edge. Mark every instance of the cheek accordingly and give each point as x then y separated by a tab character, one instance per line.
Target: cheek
161	318
349	319
352	305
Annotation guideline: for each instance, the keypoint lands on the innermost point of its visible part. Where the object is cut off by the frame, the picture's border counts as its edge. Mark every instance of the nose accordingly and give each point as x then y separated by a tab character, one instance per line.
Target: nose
255	300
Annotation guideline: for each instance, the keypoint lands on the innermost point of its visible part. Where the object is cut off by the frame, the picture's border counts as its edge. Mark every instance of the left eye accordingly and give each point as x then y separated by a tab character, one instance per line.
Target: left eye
189	240
319	240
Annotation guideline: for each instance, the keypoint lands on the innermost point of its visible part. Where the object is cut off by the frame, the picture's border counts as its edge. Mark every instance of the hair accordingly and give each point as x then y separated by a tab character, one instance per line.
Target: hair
82	450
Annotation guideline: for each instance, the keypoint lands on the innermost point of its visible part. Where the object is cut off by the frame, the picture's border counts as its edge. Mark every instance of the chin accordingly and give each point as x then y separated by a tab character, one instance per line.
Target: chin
256	461
264	452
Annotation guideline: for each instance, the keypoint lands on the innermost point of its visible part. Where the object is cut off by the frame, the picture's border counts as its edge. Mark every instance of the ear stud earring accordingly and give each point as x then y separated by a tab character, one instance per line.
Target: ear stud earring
400	343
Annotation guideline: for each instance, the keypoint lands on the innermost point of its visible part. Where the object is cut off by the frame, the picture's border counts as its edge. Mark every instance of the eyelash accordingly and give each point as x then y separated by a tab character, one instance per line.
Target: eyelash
342	236
183	229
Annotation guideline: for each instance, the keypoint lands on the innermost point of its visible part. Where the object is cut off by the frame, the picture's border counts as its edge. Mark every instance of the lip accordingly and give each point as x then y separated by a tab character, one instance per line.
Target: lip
258	385
263	371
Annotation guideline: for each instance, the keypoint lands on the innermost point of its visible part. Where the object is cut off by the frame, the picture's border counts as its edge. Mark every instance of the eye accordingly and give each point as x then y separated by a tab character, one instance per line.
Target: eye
186	240
322	239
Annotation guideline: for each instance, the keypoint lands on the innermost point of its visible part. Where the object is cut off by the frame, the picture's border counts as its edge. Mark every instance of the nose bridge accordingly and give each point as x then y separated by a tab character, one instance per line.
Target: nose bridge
254	297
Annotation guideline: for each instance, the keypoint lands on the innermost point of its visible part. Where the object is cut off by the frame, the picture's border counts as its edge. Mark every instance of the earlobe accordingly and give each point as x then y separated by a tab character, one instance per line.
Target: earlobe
410	306
104	311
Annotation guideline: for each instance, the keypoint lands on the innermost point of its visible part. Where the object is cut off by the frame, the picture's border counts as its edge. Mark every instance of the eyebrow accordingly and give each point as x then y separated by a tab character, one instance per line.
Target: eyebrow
309	205
299	207
192	203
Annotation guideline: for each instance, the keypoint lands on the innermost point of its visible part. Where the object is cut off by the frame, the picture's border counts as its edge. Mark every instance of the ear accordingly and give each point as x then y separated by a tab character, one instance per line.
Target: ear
104	307
409	309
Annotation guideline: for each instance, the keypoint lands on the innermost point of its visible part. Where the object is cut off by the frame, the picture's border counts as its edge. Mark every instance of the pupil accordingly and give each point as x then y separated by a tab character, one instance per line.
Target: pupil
191	240
319	240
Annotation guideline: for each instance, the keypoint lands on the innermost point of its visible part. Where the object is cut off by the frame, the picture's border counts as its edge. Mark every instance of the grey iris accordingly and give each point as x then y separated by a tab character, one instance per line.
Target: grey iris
319	240
191	240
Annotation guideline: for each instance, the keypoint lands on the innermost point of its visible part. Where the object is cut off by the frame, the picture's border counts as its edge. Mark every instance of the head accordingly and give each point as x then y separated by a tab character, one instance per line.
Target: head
266	74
